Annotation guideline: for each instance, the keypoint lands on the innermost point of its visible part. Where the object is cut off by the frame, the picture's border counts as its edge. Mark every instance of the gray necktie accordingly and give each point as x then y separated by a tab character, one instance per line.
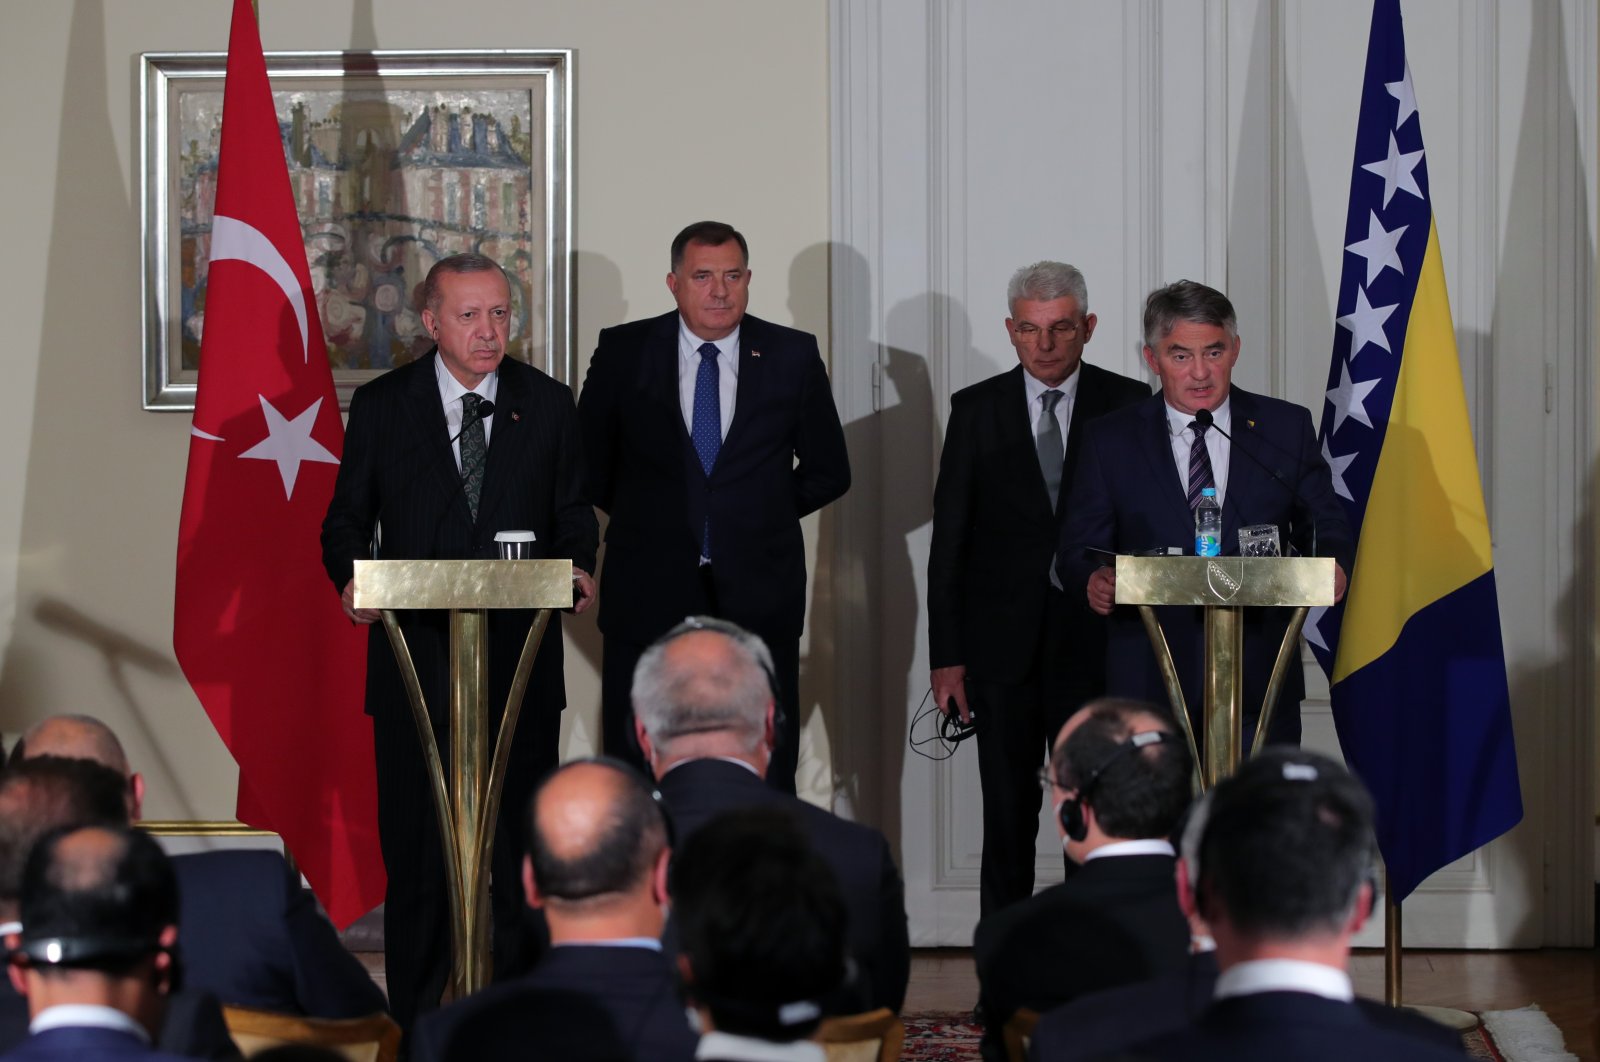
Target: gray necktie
1052	451
474	451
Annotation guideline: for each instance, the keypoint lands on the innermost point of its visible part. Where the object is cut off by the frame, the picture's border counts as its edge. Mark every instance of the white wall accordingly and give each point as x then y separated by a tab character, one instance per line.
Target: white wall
704	108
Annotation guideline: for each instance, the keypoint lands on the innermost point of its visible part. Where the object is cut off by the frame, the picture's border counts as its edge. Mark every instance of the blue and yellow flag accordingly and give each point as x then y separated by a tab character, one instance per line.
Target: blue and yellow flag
1413	654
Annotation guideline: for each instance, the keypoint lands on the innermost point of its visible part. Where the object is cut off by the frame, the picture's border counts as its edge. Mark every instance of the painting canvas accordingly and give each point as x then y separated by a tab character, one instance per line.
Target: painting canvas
395	160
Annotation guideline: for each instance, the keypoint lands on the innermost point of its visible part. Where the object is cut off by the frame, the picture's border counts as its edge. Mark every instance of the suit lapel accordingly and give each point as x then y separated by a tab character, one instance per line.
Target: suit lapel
752	380
512	425
1156	442
660	369
427	418
1243	474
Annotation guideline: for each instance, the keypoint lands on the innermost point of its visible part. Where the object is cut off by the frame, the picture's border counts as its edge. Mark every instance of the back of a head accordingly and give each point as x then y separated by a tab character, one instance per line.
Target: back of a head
1285	845
594	831
704	677
762	922
43	793
1137	793
75	737
96	897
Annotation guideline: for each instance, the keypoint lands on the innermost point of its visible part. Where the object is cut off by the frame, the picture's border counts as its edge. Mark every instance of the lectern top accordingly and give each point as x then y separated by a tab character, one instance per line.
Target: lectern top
1236	581
463	584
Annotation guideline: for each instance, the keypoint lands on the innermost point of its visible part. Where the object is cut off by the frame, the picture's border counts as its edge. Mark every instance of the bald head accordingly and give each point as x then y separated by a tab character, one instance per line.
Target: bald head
75	737
707	682
594	835
41	794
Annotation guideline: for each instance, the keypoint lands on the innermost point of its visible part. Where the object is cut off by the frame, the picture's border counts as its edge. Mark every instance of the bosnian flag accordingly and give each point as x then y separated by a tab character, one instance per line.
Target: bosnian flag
258	628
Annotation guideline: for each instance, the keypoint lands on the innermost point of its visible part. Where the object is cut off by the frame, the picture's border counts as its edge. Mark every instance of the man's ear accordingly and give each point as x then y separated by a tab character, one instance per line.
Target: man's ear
19	977
644	744
165	963
1366	896
530	888
658	878
135	797
1186	899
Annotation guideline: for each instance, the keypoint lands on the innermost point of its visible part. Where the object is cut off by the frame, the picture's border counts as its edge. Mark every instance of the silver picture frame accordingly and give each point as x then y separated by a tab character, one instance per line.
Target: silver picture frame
395	159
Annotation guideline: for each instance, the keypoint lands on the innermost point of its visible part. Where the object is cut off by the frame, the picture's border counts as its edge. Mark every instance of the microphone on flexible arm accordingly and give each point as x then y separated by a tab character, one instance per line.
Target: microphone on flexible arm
1204	419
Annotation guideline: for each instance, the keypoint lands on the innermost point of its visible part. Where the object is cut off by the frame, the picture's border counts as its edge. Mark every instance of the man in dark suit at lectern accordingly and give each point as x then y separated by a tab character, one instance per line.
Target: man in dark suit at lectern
1012	651
709	433
439	456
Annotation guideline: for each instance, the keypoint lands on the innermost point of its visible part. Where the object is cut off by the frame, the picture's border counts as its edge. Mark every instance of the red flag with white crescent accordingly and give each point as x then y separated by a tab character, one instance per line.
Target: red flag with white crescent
258	628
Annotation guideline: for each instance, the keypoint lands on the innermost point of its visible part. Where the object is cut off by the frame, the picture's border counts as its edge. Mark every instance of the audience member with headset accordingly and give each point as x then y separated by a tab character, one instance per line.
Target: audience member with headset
95	956
705	716
1285	877
596	864
762	925
1119	777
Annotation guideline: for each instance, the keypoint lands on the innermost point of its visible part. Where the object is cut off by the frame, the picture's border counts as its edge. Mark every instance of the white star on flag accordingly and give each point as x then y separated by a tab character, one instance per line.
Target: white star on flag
289	442
1349	397
1381	247
1337	465
1365	324
1311	630
1397	171
1402	91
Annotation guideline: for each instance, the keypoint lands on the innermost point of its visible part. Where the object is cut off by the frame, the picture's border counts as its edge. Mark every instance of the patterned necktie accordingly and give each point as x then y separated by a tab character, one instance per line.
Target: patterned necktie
1200	476
705	430
474	451
1047	440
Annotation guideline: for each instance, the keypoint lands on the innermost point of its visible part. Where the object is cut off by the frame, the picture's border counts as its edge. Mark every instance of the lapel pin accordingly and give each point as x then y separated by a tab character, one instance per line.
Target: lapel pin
516	414
1249	422
755	353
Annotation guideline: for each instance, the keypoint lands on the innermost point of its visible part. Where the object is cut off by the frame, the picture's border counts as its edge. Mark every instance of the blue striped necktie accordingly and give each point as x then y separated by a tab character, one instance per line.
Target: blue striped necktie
1200	476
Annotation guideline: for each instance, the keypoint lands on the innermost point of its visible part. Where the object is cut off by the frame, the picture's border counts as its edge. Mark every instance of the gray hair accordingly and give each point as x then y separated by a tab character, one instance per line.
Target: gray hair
1045	282
676	698
1186	300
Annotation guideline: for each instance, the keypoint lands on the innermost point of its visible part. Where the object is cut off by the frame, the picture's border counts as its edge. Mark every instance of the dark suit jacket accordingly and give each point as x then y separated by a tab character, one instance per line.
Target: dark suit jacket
1113	922
697	791
87	1044
994	532
784	457
251	935
1128	497
578	1002
399	470
1280	1025
1110	1022
193	1025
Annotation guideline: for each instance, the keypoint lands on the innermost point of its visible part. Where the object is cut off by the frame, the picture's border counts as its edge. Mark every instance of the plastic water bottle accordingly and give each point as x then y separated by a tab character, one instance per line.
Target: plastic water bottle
1208	525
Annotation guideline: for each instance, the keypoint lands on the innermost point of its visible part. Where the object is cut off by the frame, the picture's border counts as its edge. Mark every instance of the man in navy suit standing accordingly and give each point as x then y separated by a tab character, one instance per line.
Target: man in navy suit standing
1140	477
708	435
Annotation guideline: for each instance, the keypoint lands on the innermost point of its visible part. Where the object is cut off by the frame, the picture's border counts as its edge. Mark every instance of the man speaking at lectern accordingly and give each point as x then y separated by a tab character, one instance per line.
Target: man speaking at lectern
440	455
1141	473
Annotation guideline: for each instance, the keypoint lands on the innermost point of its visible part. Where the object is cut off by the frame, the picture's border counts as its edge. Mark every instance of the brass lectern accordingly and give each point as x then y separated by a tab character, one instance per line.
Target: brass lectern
1225	587
470	802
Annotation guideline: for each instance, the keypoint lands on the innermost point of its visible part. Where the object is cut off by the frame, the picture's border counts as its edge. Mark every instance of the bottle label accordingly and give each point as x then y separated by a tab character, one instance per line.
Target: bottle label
1207	545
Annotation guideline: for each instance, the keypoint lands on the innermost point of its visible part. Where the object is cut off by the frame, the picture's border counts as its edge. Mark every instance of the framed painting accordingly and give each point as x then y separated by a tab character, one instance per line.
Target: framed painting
395	160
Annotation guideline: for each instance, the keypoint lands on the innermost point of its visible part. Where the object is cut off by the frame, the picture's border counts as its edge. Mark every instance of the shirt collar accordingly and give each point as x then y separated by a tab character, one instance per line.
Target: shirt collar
90	1015
727	346
1067	387
1148	846
719	759
451	389
644	943
1284	975
726	1045
1178	422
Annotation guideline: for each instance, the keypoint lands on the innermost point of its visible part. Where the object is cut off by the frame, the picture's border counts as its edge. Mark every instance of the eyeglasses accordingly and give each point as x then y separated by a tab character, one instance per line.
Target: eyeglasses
1030	333
1047	779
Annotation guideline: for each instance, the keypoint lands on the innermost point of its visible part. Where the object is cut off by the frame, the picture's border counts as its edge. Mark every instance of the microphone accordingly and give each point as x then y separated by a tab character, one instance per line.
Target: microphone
1204	419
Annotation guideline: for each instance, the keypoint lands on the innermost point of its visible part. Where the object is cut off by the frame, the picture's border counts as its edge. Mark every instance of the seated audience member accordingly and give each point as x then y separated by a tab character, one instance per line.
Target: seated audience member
704	714
95	954
46	793
1119	776
1284	880
597	866
762	927
1112	1021
253	936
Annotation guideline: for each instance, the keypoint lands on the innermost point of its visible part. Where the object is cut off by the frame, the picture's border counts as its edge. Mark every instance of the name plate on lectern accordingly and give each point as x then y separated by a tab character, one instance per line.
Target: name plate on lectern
1225	581
463	584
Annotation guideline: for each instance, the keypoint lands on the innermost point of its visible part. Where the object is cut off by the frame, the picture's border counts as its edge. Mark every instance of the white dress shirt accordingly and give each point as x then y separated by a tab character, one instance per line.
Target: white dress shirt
1069	398
87	1015
450	392
1151	846
1284	975
689	360
1217	446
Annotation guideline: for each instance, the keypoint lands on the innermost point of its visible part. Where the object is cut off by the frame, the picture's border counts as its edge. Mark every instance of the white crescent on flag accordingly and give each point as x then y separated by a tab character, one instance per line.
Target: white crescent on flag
239	241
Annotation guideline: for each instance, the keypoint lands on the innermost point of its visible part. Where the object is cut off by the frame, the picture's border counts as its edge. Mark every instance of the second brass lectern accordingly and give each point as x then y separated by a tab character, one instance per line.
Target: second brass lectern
469	802
1224	587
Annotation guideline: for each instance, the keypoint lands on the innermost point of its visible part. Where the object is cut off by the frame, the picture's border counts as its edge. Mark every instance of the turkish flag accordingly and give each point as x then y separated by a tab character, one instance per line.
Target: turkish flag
258	627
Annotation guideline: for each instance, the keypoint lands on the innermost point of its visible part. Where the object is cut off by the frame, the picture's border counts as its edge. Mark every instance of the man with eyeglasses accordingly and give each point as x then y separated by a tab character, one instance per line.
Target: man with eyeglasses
1010	652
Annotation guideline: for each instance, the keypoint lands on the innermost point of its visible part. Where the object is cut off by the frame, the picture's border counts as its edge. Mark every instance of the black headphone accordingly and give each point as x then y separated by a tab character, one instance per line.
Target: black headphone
1073	824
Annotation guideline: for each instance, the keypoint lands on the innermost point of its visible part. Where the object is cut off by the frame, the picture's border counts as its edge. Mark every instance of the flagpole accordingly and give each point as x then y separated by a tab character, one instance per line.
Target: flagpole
1391	944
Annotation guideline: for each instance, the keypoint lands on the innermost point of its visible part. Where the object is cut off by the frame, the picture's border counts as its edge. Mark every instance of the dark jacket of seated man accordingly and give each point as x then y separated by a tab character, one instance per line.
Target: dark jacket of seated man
597	867
1120	780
